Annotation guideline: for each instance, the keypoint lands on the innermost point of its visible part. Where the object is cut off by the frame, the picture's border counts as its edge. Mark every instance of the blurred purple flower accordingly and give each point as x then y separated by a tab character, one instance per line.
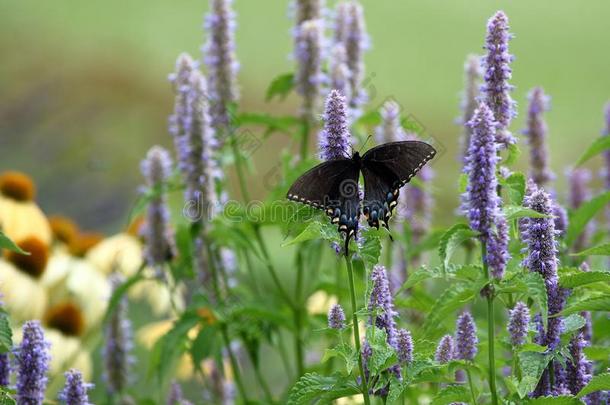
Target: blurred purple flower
404	343
577	366
536	133
158	237
356	42
445	350
175	396
338	70
496	88
472	83
390	129
335	136
5	370
579	193
336	317
518	323
308	55
381	303
221	61
560	216
33	363
341	22
75	389
118	345
466	339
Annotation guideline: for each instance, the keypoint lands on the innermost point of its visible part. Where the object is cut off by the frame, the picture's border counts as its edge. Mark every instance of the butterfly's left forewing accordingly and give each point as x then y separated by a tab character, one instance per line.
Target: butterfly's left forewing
386	168
333	187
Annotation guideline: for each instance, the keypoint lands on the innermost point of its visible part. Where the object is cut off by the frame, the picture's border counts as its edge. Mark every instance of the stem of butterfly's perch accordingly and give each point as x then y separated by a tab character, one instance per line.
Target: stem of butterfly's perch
350	273
490	327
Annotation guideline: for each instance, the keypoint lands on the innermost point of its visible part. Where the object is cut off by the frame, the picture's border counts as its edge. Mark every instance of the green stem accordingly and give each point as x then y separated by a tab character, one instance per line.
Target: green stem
474	396
305	138
490	328
298	319
284	356
350	273
261	379
234	365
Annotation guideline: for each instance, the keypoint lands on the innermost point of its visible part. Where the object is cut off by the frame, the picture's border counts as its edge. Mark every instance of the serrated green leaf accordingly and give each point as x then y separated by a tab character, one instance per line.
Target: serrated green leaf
344	351
513	155
7	243
572	323
560	400
370	250
284	124
452	239
531	284
450	394
532	365
588	304
315	388
314	230
583	278
6	334
600	382
515	187
281	86
601	250
6	397
598	146
514	211
580	217
383	355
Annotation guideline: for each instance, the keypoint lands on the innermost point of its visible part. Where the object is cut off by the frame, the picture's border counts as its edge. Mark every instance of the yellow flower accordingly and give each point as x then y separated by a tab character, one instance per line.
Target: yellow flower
320	303
20	217
65	231
23	294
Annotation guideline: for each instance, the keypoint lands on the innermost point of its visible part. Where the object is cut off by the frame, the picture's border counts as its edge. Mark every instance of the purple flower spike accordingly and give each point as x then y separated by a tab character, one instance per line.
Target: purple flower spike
5	370
118	346
391	129
336	317
541	258
466	340
335	137
220	58
560	216
404	342
339	72
497	74
579	193
308	55
307	10
472	79
445	350
577	367
158	237
381	302
341	22
481	198
356	42
75	389
518	322
180	120
33	363
536	133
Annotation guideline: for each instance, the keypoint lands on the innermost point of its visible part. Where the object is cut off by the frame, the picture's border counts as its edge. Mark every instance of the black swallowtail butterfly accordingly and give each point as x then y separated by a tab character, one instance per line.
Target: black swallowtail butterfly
333	185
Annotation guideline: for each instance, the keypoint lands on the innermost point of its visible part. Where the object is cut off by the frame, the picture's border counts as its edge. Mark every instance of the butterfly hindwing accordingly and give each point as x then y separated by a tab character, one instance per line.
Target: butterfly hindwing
333	187
386	168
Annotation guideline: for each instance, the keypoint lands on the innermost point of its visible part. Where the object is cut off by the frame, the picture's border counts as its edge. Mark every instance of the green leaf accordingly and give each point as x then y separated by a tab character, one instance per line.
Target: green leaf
281	86
532	284
7	243
588	304
532	365
583	278
314	230
598	146
383	354
580	217
452	239
515	187
450	394
601	250
597	353
370	250
6	397
513	155
514	211
285	124
344	351
205	344
560	400
120	291
6	334
600	382
572	323
315	388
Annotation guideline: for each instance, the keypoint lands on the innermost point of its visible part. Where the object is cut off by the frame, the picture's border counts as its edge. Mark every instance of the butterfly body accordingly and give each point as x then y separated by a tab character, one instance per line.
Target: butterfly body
333	185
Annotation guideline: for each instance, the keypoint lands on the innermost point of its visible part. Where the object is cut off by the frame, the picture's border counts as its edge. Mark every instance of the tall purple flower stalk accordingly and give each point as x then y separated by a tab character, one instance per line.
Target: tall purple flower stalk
466	340
381	302
341	22
75	389
445	350
496	88
404	343
335	136
5	370
356	43
518	323
481	201
156	168
472	83
118	345
33	363
536	133
221	61
579	193
577	367
305	10
308	55
338	70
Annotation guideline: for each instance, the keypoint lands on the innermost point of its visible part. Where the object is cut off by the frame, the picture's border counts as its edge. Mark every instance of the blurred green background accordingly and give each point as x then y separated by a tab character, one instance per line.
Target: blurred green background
84	91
